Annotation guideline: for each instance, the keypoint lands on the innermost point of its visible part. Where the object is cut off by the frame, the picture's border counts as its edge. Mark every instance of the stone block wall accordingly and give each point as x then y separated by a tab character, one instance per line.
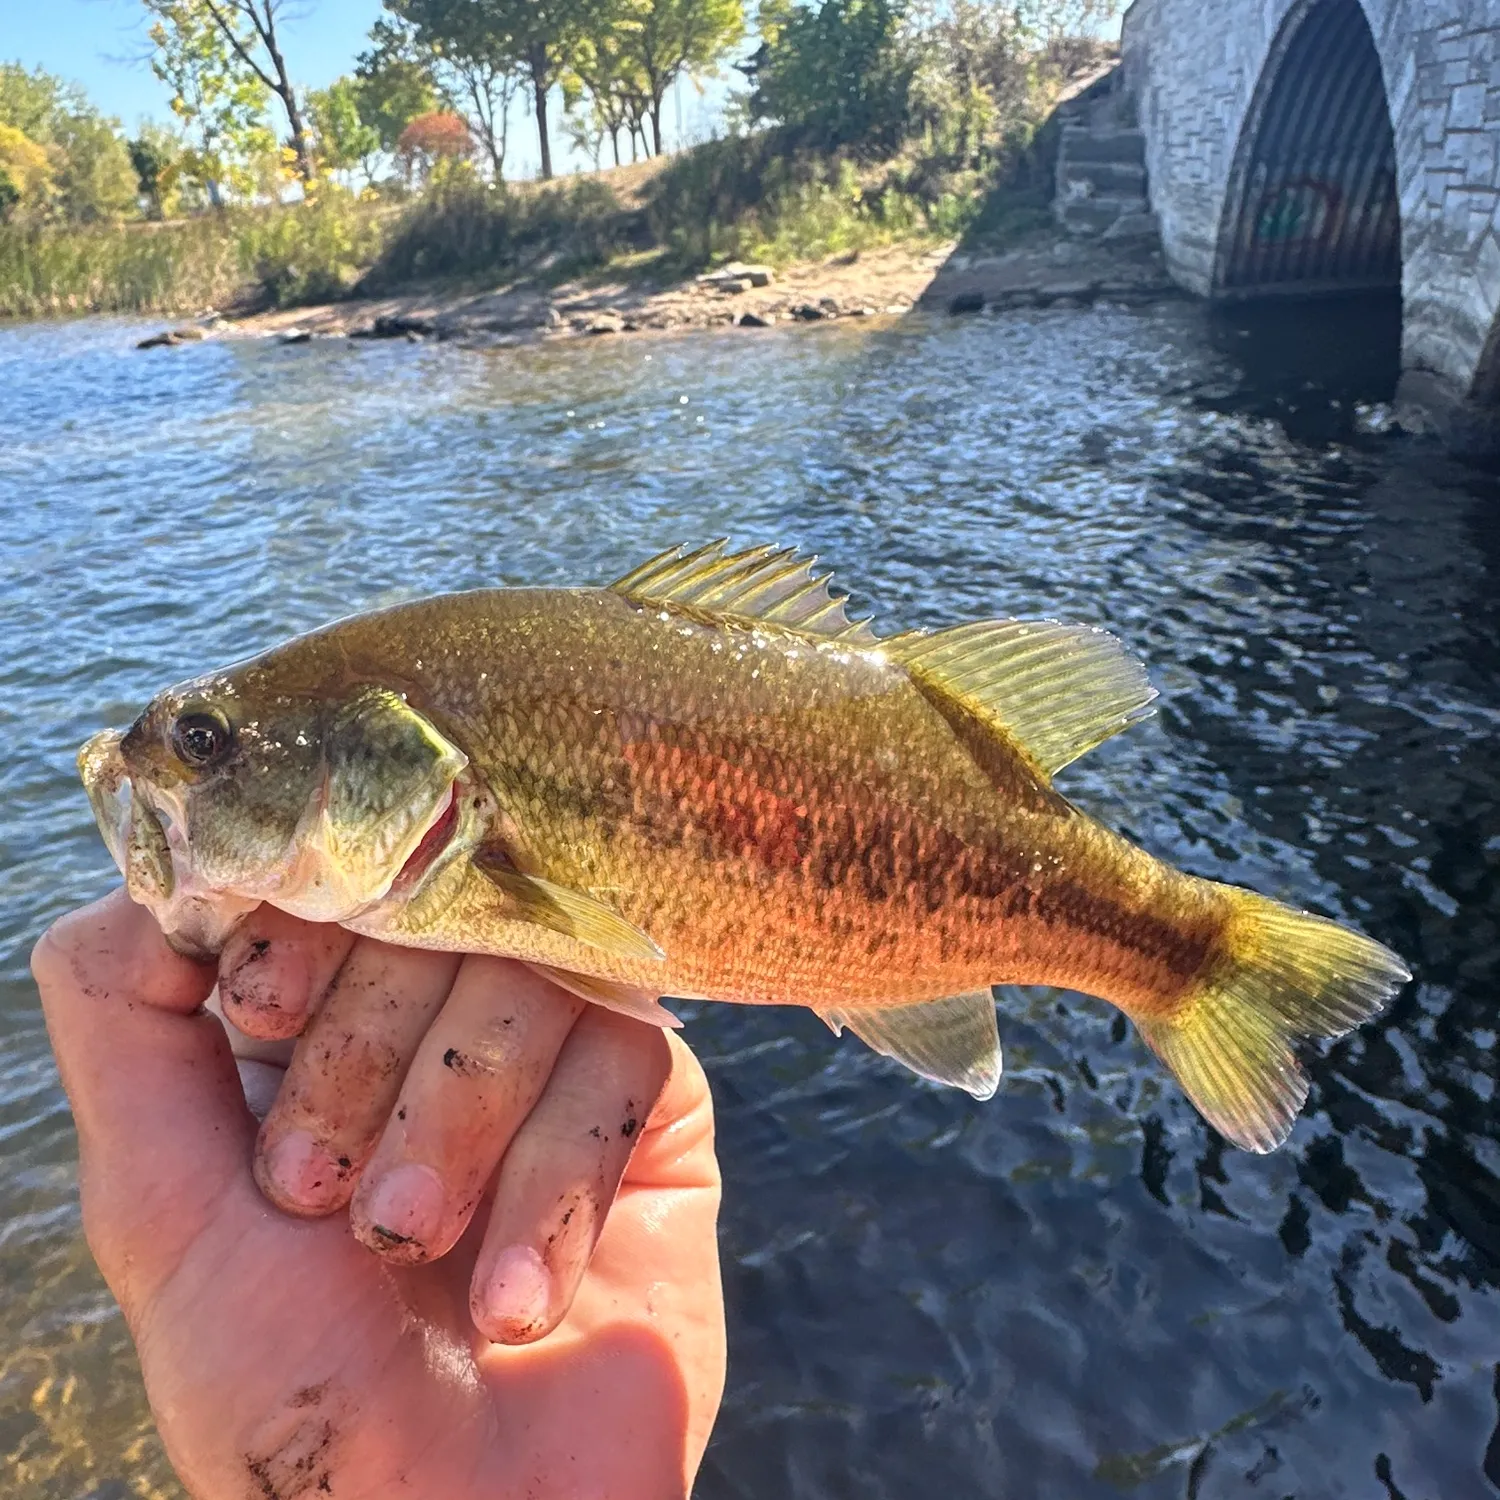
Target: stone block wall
1199	74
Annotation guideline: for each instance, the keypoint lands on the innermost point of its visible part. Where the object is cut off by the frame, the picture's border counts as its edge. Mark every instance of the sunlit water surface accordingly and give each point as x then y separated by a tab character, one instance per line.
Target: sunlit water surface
1073	1291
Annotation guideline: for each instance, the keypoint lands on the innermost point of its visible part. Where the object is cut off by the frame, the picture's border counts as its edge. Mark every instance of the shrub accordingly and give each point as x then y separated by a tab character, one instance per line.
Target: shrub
462	225
310	252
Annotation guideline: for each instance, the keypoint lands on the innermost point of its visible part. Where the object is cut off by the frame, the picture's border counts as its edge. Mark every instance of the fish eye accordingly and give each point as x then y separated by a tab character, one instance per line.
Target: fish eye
200	736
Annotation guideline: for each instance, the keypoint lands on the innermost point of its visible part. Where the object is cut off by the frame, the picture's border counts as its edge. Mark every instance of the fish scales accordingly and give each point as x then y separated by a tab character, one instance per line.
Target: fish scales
704	781
696	773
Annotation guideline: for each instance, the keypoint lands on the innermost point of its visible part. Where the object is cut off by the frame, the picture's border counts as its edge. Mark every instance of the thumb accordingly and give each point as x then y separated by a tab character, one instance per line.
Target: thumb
162	1126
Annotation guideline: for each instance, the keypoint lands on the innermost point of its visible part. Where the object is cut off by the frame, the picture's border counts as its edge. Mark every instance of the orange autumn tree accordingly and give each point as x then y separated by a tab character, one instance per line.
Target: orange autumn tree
430	139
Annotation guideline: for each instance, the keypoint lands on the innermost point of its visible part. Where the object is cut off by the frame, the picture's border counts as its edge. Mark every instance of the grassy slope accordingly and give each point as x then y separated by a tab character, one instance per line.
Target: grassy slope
757	198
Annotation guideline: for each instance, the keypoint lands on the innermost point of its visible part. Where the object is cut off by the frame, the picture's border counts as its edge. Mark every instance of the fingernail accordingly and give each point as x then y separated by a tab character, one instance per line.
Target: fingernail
517	1294
405	1207
303	1175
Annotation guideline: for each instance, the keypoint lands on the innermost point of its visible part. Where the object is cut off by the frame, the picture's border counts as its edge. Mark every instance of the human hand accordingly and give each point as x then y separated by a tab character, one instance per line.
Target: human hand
283	1356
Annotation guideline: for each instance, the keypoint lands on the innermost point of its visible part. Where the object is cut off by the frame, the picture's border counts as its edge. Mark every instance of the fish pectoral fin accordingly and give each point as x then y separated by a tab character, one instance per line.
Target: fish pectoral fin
761	585
572	913
638	1004
1050	689
953	1041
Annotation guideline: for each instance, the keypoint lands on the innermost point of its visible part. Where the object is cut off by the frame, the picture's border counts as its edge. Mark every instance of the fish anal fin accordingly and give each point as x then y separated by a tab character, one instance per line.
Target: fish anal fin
761	585
628	1000
1051	690
953	1041
575	914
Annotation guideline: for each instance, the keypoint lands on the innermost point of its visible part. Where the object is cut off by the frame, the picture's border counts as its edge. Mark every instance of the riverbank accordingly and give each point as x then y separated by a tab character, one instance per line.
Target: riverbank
1047	269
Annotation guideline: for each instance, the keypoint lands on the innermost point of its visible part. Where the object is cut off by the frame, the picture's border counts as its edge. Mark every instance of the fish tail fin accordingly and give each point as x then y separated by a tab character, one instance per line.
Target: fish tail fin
1280	977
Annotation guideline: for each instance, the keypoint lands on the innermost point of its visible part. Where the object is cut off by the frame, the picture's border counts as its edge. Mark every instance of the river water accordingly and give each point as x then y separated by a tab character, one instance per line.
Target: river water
1072	1291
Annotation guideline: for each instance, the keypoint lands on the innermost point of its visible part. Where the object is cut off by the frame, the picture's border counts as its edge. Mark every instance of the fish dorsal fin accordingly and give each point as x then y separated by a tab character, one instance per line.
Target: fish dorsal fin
761	585
950	1041
1052	690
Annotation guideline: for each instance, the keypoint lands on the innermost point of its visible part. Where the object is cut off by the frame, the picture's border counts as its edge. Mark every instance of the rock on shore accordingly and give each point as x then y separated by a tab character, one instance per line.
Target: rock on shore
888	281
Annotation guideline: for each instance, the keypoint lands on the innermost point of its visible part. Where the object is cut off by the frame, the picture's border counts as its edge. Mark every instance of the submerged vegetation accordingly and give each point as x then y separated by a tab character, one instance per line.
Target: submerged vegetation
865	122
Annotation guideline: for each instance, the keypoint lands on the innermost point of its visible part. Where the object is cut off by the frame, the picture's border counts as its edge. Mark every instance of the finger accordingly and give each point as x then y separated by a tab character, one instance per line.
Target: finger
476	1076
162	1125
345	1074
275	969
278	1052
561	1174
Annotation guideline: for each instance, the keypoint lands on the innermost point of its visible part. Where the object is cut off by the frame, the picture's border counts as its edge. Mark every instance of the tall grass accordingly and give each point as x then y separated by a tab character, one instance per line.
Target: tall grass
761	197
461	226
268	256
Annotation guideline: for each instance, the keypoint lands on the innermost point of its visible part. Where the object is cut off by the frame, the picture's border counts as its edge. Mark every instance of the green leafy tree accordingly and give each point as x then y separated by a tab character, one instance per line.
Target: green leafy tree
94	179
668	38
27	169
452	59
249	30
395	81
10	195
605	66
534	37
344	140
481	86
156	156
222	107
32	101
837	70
88	167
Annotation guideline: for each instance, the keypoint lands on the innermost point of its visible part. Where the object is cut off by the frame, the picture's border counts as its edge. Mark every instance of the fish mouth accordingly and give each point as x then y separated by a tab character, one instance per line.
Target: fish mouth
101	767
421	861
135	832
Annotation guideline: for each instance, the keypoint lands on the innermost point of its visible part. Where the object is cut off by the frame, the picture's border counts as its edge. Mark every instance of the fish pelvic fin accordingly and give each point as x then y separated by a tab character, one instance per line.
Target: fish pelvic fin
951	1041
628	1000
1282	977
1050	690
761	585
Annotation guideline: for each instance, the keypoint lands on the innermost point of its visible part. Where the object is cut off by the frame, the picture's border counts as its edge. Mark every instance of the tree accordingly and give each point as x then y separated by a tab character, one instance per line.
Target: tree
837	70
249	29
344	140
31	102
667	38
26	171
605	65
88	170
434	138
535	37
94	177
450	59
156	156
220	104
482	86
395	81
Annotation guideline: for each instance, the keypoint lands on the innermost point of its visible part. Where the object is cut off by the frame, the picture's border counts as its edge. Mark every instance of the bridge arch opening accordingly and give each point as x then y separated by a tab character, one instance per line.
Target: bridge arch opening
1312	205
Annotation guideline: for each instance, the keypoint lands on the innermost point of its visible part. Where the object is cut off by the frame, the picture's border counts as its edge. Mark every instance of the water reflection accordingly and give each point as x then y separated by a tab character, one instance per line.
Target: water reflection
1074	1290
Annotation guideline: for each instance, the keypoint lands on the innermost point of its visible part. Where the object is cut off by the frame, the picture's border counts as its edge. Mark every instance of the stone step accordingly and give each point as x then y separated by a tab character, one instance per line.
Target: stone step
1107	177
1082	143
1095	215
1132	227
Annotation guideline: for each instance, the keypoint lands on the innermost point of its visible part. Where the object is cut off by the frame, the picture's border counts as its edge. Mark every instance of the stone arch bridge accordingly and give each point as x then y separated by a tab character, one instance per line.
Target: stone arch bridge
1308	146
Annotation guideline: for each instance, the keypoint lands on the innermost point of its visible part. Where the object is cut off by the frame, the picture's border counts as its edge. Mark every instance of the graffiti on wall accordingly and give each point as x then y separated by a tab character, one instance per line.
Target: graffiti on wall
1298	211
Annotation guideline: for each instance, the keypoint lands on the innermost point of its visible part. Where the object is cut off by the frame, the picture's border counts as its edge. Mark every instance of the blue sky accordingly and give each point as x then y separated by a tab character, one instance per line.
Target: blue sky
102	45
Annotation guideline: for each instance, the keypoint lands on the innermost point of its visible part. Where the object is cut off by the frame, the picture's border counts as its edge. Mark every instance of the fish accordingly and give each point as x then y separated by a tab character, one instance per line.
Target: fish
708	781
